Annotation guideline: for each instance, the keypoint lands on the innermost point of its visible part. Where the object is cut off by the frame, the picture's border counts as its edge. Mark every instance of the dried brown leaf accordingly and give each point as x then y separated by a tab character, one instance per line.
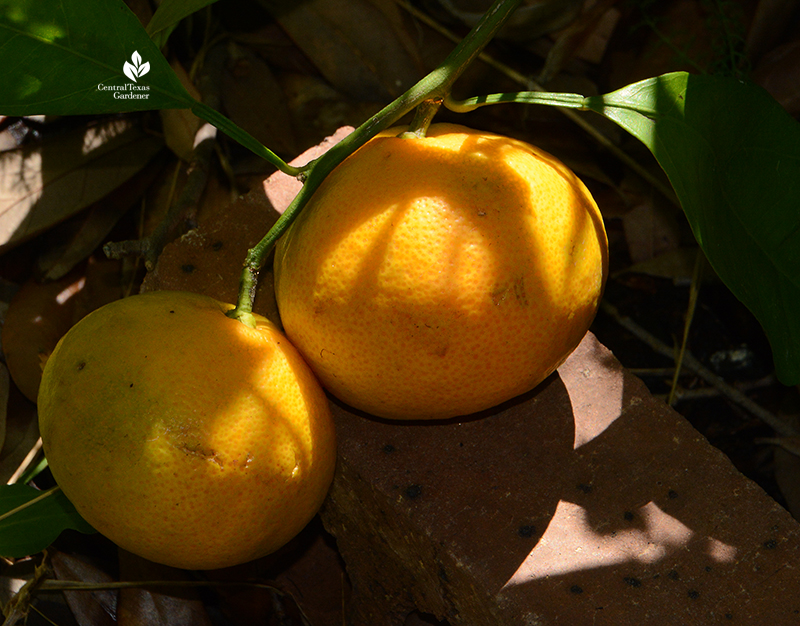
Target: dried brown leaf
358	46
5	384
167	606
650	231
38	316
181	125
44	184
254	100
779	74
22	433
95	608
97	222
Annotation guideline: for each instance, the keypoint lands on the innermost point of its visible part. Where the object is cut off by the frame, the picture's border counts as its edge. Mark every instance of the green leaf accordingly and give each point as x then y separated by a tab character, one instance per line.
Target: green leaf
167	16
31	529
62	57
732	154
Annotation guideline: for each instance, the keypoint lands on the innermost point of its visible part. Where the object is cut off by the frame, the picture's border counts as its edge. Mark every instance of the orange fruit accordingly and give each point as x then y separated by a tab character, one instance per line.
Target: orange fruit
439	276
183	435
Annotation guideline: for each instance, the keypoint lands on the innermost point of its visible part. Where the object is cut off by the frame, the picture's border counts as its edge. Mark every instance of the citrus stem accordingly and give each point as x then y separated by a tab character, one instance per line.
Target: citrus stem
566	100
422	119
434	87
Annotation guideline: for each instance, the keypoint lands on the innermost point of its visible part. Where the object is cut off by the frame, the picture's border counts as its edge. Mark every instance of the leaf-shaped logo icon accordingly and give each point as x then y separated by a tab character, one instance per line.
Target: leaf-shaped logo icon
137	69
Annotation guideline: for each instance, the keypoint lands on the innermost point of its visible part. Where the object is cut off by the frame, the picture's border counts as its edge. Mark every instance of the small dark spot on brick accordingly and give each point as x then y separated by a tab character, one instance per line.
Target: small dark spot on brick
770	544
627	516
81	365
413	491
576	589
172	311
130	386
388	448
187	268
584	488
217	245
672	494
633	582
673	575
526	531
693	594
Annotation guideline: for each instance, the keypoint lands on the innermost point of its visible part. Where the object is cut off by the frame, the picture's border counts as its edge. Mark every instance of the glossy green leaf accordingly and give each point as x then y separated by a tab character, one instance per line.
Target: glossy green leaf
81	57
167	16
31	529
732	154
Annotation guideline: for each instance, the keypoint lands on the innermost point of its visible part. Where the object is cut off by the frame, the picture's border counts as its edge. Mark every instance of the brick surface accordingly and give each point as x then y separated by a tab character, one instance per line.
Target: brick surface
585	502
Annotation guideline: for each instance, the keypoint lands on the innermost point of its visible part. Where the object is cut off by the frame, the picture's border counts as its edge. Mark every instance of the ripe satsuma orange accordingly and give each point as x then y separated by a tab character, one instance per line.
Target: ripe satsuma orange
183	435
439	276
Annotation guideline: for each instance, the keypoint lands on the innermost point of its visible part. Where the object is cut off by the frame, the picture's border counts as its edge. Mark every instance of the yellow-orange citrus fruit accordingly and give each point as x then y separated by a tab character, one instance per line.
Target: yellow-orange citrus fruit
183	435
439	276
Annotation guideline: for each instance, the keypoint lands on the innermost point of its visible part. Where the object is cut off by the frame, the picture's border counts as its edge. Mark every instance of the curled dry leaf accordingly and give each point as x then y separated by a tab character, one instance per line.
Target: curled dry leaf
181	125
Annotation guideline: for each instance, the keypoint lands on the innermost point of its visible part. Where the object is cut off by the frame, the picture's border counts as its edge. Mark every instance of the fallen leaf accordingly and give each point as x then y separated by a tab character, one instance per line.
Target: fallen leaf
42	185
98	608
167	606
358	46
22	433
779	73
254	100
5	381
38	316
181	125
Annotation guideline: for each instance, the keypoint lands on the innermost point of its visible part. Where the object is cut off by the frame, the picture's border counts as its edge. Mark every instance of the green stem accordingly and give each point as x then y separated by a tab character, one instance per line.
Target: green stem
214	117
567	100
422	119
435	86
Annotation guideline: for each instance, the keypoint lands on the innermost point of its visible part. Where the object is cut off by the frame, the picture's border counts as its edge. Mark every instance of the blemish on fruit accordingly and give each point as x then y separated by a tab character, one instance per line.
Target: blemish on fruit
693	594
632	582
673	575
187	268
627	516
81	365
388	448
217	245
413	491
576	589
584	488
672	494
770	544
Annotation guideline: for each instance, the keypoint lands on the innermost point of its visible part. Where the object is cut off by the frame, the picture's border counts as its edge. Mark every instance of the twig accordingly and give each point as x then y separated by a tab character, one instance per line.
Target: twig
691	363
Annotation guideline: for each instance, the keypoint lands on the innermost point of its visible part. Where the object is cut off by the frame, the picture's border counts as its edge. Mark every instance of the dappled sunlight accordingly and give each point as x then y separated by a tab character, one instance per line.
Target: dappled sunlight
570	544
96	137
